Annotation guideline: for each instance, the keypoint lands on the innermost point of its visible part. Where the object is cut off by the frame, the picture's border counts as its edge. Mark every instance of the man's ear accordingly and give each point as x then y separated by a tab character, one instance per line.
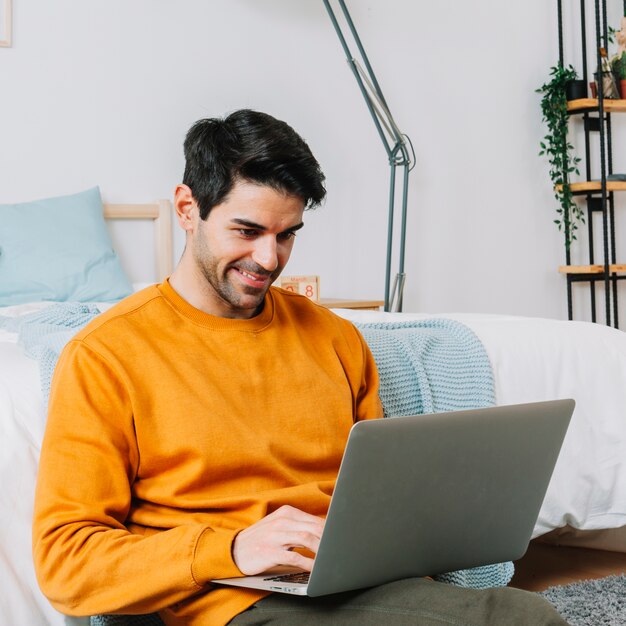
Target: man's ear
186	207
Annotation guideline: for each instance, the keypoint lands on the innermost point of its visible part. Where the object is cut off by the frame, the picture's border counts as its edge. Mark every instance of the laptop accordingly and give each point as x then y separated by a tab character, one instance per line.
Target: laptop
428	494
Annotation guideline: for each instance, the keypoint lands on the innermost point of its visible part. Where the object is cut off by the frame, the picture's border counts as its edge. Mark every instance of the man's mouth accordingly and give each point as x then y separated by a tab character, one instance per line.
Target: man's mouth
253	280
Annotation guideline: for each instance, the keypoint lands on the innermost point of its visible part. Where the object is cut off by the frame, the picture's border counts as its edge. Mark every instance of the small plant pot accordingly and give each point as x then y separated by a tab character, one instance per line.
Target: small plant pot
622	88
575	89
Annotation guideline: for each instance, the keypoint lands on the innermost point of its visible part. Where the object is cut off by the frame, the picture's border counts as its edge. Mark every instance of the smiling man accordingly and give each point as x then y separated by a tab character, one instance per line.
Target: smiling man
195	430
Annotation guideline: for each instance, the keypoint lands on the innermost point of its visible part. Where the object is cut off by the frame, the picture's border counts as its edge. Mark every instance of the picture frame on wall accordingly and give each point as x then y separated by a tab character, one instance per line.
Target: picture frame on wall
5	23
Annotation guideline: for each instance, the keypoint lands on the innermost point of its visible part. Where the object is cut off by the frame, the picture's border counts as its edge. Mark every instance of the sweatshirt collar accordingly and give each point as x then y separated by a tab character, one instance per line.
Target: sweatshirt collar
253	324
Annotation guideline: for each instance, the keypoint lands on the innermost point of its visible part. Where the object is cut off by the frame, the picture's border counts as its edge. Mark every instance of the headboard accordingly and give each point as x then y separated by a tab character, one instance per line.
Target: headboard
160	212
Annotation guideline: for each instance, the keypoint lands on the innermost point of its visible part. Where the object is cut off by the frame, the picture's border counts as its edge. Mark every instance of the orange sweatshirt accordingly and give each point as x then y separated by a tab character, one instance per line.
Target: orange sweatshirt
170	430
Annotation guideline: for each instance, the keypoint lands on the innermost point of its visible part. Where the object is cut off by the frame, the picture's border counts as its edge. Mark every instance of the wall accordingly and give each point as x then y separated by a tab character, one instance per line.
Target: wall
102	92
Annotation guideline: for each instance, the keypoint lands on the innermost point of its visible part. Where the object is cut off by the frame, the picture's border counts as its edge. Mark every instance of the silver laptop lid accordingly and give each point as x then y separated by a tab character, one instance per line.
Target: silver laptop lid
428	494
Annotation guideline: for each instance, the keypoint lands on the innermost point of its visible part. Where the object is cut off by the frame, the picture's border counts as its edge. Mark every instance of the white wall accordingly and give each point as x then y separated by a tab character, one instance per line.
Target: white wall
102	92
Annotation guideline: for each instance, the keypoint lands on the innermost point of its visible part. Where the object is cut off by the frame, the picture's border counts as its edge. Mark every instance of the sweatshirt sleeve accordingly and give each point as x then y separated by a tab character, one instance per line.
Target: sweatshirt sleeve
367	400
87	562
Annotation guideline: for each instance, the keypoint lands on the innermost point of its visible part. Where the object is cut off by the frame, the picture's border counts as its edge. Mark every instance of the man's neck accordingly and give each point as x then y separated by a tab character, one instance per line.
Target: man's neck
189	283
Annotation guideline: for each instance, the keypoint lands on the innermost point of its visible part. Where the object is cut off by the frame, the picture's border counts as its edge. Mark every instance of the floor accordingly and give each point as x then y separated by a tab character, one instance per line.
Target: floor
545	565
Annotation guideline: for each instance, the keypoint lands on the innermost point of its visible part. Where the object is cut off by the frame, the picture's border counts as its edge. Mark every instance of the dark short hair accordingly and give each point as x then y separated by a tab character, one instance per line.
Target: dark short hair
251	146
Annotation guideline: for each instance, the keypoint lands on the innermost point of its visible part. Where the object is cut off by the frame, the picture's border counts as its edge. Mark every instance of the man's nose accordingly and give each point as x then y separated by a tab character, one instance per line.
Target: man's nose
265	253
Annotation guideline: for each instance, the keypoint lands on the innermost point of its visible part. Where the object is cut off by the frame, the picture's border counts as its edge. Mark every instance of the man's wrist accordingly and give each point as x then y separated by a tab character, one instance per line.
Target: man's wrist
213	555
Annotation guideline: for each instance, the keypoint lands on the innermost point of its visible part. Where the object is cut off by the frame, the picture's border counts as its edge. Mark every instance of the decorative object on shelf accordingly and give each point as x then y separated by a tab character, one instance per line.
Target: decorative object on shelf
396	145
556	147
609	84
308	286
618	60
5	23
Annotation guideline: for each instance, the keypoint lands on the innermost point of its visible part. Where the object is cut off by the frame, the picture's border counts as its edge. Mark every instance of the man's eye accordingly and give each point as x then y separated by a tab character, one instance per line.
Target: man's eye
247	232
286	236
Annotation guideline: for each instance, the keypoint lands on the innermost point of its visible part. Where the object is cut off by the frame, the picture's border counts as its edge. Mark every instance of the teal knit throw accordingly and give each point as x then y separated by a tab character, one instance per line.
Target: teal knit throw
432	366
43	334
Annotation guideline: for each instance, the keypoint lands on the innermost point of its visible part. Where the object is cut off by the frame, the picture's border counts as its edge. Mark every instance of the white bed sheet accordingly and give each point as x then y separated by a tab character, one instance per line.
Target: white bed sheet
532	359
22	422
536	359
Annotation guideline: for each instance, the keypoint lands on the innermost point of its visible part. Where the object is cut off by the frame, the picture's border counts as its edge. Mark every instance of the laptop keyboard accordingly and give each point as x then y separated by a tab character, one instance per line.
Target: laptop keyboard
296	577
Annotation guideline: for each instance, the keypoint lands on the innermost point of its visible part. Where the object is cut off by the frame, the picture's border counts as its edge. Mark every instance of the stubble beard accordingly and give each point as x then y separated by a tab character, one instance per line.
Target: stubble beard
235	295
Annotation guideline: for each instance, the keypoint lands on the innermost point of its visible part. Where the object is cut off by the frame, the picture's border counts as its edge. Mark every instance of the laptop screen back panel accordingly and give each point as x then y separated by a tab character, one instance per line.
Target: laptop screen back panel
464	489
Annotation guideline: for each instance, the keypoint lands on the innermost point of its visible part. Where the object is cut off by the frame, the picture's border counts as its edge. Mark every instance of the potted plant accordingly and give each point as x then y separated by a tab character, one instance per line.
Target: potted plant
558	150
618	61
618	65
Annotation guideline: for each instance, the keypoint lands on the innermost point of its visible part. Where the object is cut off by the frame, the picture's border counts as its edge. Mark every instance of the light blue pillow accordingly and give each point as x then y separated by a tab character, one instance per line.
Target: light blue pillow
58	249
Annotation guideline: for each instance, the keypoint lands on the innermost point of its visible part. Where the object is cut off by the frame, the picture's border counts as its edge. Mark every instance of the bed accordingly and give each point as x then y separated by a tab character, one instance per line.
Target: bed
531	359
536	359
97	274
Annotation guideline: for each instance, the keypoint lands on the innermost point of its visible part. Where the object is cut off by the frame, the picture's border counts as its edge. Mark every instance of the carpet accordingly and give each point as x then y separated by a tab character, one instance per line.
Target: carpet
599	602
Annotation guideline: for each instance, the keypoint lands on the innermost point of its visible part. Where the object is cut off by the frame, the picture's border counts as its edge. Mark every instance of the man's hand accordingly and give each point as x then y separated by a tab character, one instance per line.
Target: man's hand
270	541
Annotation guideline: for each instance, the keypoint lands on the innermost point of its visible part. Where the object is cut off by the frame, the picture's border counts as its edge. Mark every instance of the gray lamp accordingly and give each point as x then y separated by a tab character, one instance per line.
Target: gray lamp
395	143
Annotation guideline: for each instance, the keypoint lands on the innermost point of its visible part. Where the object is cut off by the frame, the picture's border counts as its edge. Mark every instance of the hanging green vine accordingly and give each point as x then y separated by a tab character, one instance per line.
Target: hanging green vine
559	151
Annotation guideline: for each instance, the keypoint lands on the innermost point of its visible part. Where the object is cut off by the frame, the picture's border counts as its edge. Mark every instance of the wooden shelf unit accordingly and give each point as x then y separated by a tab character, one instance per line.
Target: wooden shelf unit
592	104
602	268
595	186
586	187
592	269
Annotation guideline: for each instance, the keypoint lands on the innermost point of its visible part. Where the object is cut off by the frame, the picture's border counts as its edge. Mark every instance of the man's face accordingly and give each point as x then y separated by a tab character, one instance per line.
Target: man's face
243	246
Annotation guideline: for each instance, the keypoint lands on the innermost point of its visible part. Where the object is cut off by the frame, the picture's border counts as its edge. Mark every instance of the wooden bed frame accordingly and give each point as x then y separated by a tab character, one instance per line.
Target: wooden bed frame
160	212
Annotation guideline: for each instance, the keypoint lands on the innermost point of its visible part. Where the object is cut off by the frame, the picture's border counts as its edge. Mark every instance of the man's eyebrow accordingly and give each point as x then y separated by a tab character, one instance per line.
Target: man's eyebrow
249	224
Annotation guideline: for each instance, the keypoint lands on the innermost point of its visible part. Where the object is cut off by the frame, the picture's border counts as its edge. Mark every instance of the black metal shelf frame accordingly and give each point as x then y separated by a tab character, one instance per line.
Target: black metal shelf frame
601	200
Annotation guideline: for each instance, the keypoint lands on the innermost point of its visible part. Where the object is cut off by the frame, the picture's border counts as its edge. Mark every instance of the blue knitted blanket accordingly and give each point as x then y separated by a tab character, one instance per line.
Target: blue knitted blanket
43	334
428	366
432	366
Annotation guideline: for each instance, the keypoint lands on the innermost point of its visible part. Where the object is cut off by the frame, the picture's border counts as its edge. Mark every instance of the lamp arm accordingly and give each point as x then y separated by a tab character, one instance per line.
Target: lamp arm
361	49
352	62
370	89
384	116
394	141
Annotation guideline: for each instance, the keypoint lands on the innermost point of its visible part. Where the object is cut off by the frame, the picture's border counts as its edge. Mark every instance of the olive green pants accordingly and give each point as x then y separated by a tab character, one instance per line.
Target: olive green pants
403	603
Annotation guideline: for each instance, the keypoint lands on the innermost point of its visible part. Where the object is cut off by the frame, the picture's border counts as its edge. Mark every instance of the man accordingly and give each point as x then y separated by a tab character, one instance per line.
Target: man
195	429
